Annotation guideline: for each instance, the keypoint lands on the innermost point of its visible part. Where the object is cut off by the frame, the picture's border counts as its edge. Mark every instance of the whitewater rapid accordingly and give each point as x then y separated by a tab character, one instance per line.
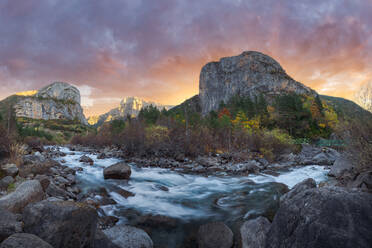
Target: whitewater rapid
160	191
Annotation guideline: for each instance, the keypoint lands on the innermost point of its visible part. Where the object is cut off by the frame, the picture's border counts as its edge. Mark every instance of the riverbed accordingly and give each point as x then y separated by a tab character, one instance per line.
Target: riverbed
187	199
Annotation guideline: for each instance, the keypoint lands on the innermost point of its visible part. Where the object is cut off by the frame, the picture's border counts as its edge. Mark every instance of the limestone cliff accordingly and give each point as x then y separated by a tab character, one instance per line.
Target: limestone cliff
248	74
129	106
363	96
56	101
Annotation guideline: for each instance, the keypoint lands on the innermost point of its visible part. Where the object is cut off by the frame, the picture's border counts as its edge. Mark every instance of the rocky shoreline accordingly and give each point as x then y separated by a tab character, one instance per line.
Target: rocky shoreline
42	206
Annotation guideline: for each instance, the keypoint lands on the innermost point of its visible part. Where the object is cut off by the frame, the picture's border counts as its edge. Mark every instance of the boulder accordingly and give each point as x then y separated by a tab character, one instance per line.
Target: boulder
86	159
215	234
27	192
24	240
208	161
61	223
129	237
4	183
54	191
101	156
323	217
298	188
253	233
102	241
9	224
10	169
117	171
37	167
340	166
327	157
363	180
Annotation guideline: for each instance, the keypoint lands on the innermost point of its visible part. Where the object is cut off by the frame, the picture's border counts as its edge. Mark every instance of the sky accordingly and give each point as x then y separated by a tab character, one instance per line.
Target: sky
154	49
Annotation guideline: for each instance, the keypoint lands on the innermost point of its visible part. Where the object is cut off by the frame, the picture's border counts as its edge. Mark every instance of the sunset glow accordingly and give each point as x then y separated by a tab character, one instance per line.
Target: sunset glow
155	49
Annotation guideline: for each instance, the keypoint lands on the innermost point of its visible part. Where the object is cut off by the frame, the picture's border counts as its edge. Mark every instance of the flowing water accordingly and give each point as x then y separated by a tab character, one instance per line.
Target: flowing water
186	198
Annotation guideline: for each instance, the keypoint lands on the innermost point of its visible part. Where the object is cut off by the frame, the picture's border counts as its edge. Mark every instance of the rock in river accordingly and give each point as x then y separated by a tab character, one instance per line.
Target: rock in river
329	217
117	171
86	159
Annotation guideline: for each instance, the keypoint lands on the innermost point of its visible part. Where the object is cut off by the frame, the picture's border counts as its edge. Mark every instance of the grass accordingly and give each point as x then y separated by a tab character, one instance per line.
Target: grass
11	187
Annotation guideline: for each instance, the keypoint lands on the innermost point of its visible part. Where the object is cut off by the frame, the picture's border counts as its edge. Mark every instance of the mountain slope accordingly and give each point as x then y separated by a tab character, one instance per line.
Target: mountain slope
129	106
57	101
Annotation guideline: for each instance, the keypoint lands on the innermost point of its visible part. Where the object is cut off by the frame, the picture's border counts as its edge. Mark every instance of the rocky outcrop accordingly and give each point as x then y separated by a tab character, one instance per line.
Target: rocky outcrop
298	188
60	91
27	192
215	234
56	101
117	171
61	223
340	166
323	217
24	240
129	106
249	75
129	237
363	96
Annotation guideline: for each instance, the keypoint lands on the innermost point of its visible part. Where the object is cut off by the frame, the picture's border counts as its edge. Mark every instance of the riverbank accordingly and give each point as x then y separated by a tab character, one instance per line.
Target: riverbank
168	200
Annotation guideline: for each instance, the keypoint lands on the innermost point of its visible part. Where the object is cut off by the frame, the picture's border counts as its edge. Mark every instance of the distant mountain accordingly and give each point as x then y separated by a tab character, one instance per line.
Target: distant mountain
249	74
129	106
57	101
363	96
252	74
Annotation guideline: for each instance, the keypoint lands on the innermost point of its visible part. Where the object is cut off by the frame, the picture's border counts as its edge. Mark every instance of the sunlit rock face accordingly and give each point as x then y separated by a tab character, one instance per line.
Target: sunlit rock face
363	96
129	106
60	91
56	101
248	74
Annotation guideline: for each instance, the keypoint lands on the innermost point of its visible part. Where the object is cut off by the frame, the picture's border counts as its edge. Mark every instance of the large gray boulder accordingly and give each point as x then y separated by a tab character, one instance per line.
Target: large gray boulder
253	233
329	217
215	234
117	171
24	240
340	166
102	241
249	74
129	237
298	188
61	223
27	192
9	224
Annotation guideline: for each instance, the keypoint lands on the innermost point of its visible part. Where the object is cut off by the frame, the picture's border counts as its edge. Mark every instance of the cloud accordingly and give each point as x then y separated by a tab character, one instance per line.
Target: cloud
155	49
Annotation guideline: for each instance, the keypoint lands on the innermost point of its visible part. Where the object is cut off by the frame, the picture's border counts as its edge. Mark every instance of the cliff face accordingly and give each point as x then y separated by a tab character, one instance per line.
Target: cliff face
128	106
56	101
364	96
249	74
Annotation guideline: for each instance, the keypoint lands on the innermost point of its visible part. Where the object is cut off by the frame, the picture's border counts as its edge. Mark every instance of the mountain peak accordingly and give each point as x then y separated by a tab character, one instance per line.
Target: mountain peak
248	74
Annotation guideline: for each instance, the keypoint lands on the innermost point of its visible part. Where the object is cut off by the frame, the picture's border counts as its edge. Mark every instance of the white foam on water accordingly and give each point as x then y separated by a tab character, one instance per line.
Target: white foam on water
184	194
294	176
